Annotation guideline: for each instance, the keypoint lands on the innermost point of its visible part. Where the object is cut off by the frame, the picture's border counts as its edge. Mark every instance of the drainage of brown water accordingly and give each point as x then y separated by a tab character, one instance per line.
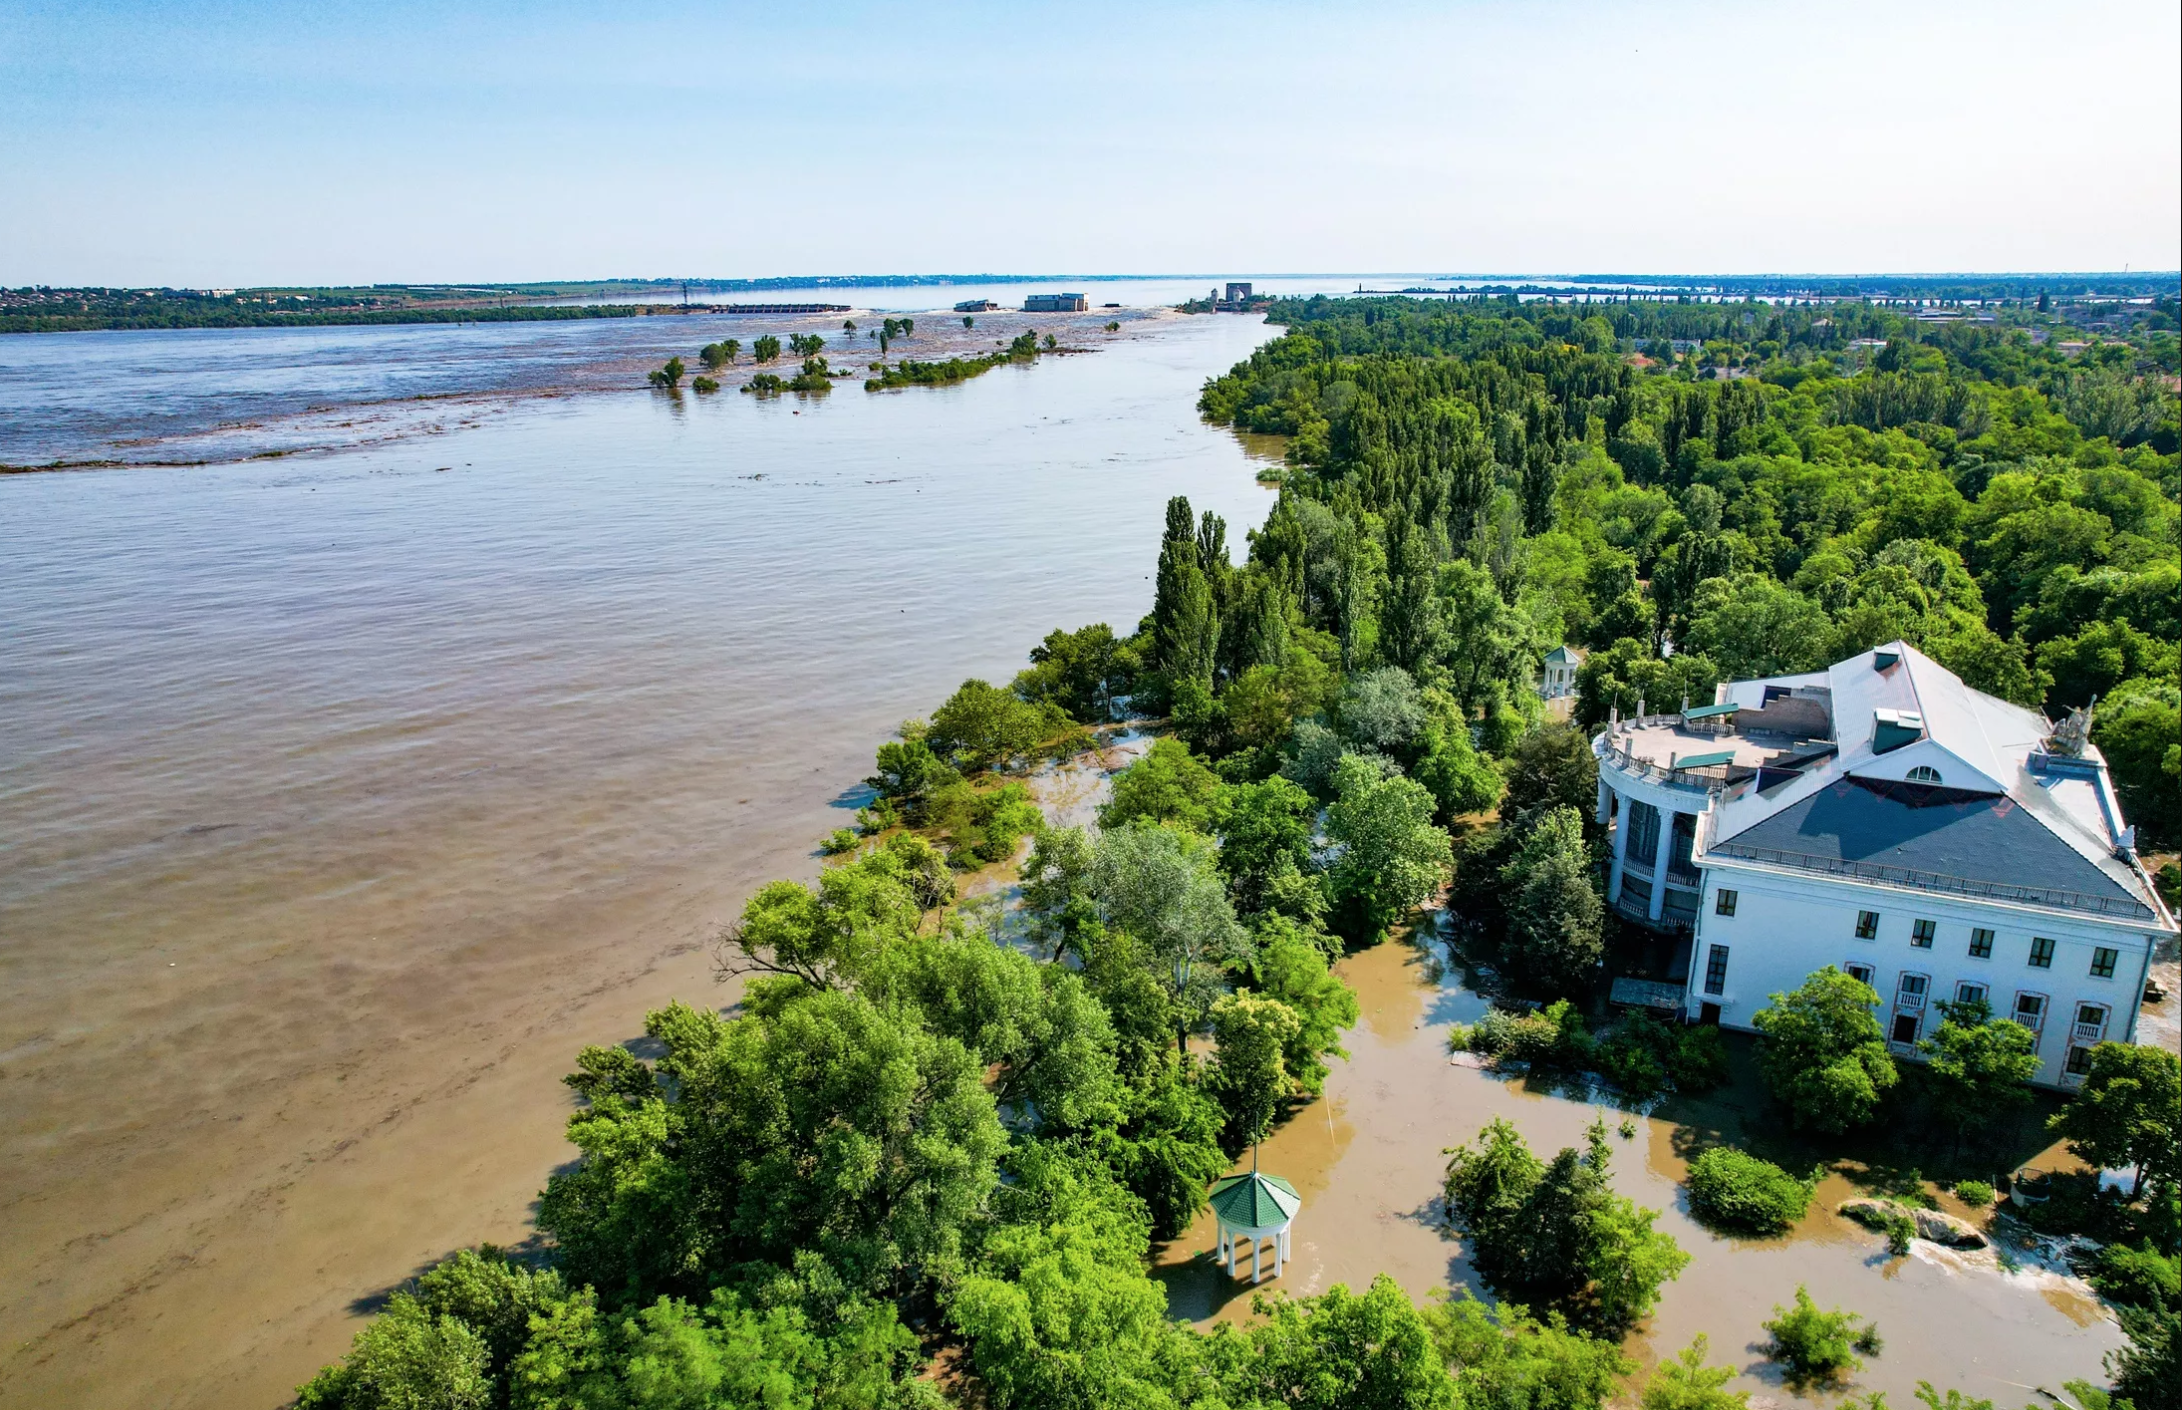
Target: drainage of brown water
1368	1160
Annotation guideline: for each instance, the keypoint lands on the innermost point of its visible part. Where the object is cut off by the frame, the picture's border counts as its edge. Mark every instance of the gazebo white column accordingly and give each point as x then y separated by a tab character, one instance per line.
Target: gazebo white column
1256	1207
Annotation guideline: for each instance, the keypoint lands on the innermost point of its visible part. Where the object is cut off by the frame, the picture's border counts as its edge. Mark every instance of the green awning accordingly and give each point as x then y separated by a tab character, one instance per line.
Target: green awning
1706	712
1702	761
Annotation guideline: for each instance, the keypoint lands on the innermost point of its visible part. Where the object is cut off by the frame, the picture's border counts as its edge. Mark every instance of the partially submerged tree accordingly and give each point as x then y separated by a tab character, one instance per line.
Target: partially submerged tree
1823	1055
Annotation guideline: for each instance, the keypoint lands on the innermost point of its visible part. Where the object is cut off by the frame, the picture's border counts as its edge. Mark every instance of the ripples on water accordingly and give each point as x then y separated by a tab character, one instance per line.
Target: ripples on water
333	788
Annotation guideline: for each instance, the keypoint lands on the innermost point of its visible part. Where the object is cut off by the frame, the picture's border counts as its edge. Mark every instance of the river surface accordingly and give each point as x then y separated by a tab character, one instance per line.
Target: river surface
343	797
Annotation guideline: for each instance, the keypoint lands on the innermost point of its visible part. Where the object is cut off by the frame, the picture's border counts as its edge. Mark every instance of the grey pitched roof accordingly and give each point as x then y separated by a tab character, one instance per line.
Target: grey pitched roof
1992	843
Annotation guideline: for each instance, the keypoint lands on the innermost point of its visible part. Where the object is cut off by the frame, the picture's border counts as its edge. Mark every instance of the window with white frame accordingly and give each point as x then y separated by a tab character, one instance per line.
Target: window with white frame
1971	992
2030	1011
2079	1060
1861	973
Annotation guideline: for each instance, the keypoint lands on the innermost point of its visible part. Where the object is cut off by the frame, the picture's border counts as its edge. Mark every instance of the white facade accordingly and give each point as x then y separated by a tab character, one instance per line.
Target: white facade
1883	818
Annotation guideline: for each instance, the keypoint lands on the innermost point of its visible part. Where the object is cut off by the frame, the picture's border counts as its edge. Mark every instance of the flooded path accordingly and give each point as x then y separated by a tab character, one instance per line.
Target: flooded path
1367	1159
343	799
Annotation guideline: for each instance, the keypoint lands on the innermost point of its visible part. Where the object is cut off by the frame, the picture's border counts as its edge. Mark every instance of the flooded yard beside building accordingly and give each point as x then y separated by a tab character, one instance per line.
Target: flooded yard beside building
1368	1159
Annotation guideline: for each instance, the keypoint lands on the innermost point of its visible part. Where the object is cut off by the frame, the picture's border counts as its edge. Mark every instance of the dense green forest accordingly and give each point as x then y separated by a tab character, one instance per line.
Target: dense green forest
925	1158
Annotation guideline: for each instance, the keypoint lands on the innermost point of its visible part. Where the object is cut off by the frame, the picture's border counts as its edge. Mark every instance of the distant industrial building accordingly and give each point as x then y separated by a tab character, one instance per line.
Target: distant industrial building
1056	303
1239	297
977	306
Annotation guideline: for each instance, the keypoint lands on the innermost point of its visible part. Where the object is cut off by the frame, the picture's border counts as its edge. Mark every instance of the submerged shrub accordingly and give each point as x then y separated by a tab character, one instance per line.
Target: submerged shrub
1817	1345
1734	1189
1974	1193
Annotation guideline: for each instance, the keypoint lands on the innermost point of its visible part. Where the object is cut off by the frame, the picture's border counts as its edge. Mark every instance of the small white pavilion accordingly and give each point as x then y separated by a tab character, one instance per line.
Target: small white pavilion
1256	1207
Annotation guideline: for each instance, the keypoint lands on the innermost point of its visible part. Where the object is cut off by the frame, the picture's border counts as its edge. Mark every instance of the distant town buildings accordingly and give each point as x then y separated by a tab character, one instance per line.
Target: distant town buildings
1056	303
1882	817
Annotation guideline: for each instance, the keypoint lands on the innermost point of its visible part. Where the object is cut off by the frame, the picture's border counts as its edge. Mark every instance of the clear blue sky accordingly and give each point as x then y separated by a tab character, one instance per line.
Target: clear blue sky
226	144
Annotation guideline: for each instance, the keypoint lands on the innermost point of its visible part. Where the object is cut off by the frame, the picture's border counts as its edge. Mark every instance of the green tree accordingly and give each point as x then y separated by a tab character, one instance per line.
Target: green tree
669	376
1556	1236
1554	913
1382	711
1733	1189
1079	671
1551	767
1265	835
1685	1382
1752	625
2128	1112
1249	1077
1977	1069
1058	896
2139	730
1058	1309
1505	1359
1293	970
1161	887
1336	1351
766	348
821	1124
983	727
1822	1053
1168	784
406	1359
1391	856
1815	1345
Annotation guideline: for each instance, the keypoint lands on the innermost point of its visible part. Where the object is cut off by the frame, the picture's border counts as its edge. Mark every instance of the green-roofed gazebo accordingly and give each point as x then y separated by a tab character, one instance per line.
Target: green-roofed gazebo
1256	1207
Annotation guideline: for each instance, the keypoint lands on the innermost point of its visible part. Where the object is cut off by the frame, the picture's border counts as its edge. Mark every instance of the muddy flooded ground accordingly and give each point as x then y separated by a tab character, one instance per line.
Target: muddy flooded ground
1368	1160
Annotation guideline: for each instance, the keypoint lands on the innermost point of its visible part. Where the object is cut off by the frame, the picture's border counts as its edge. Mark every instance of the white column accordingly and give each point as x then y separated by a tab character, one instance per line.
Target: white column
1257	1247
1662	857
1606	799
1227	1248
1621	852
1280	1251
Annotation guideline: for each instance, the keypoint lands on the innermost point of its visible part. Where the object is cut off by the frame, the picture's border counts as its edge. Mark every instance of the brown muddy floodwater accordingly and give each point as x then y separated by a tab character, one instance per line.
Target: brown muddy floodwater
1368	1160
342	799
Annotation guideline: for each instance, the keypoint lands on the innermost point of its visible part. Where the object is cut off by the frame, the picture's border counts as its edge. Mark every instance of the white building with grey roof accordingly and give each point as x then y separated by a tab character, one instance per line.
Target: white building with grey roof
1882	817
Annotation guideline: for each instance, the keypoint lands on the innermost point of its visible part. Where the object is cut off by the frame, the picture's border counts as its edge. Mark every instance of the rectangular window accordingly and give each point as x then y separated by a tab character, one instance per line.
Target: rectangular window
1861	973
2030	1011
1716	970
1968	993
1981	944
1905	1028
1867	925
1723	902
2090	1020
1921	933
2079	1061
2102	962
2041	953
